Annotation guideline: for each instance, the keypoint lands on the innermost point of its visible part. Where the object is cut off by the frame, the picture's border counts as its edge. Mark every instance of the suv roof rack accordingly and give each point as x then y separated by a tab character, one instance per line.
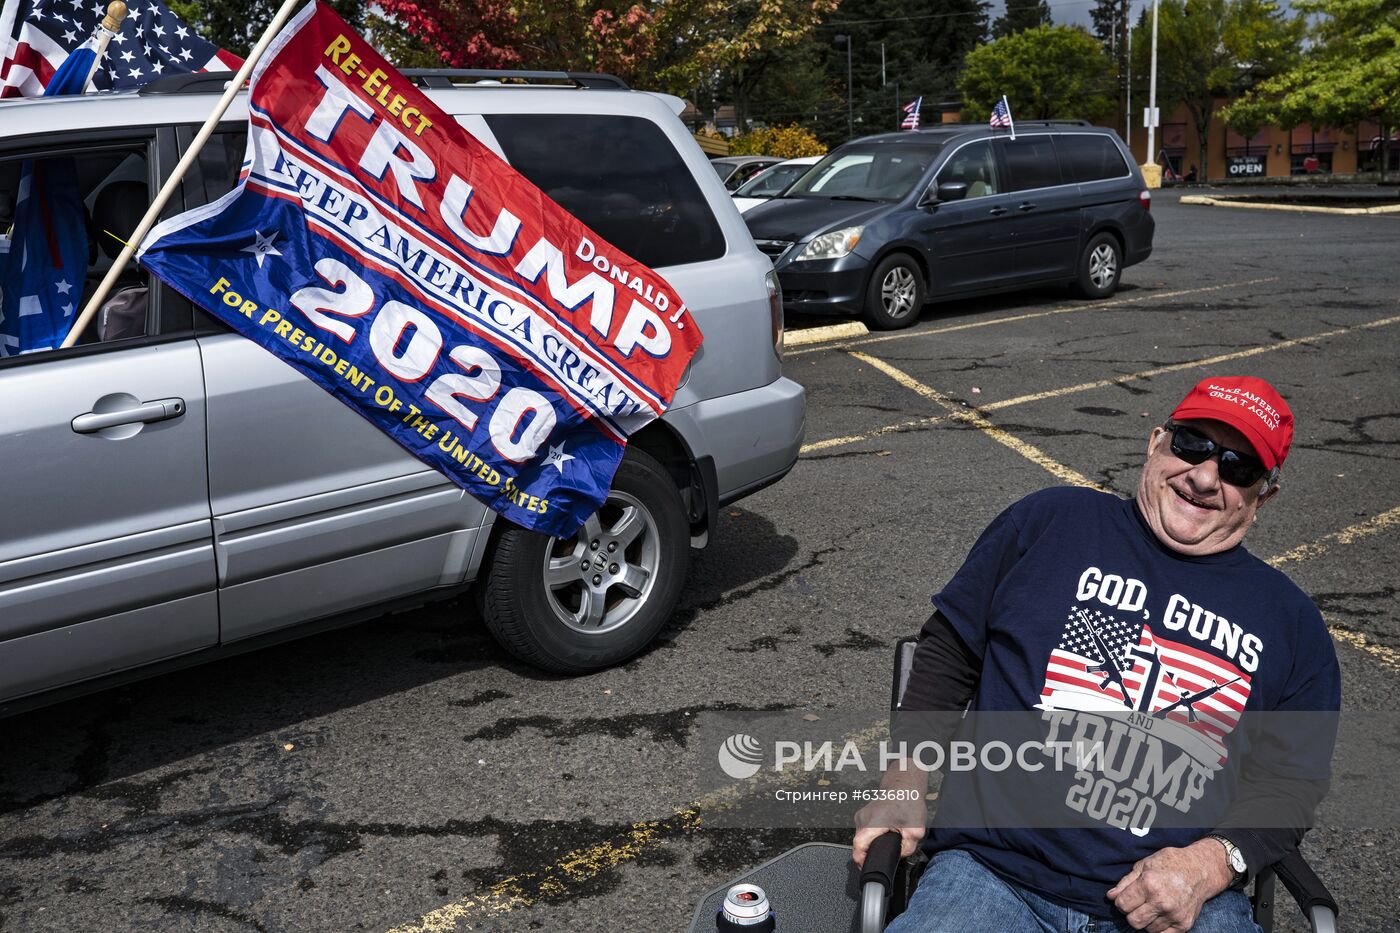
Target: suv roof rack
208	82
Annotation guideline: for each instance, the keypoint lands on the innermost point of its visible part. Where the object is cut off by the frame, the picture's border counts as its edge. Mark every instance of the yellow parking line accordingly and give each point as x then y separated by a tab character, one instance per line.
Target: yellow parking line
810	335
1100	384
973	417
1067	309
581	865
1372	525
1314	549
524	889
1190	364
856	438
1387	656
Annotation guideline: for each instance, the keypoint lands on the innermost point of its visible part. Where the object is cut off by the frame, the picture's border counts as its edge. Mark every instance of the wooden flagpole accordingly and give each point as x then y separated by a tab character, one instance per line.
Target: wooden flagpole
167	190
111	25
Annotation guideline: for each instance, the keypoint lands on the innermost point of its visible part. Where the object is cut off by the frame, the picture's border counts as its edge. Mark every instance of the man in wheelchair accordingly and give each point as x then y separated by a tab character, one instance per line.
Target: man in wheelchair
1075	603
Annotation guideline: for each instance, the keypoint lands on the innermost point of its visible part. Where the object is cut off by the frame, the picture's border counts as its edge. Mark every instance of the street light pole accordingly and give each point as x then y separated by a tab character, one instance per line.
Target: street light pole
850	106
1152	94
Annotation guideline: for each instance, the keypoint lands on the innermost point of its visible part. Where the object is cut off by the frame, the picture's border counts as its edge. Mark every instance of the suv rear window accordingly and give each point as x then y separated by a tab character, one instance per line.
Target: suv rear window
619	175
1087	157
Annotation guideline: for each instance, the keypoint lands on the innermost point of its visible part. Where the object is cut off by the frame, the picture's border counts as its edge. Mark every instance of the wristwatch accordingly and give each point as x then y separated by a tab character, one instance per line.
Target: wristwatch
1234	858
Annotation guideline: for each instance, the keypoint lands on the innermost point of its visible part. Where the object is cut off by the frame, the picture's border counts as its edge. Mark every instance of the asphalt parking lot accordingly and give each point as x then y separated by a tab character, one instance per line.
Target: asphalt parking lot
406	775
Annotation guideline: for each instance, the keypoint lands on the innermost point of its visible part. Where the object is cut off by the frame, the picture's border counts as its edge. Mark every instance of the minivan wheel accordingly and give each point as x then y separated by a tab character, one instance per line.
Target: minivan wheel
1100	267
895	294
591	601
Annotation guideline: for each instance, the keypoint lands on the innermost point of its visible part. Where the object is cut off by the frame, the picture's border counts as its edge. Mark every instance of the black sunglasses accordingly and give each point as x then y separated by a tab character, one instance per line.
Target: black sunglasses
1236	468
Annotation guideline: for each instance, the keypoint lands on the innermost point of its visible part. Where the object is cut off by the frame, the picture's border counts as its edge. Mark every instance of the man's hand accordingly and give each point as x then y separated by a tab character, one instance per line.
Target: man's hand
879	818
1164	892
909	818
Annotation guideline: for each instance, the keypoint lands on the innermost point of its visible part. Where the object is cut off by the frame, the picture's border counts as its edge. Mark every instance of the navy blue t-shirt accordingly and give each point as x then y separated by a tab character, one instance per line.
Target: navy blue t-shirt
1075	607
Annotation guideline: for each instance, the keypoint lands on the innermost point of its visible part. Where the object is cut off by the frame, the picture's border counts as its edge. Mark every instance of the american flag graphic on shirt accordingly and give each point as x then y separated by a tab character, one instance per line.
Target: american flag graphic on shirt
1103	663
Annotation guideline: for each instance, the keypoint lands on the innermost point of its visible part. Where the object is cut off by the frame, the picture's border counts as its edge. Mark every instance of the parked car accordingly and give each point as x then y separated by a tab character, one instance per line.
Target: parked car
772	182
884	223
735	170
177	492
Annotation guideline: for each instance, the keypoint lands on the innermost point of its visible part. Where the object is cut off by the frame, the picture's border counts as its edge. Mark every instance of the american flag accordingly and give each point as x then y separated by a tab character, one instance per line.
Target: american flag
37	35
1102	663
911	110
1001	114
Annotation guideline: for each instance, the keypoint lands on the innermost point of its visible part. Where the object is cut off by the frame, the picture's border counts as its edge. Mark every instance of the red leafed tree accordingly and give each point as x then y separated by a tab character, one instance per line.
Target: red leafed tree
556	36
661	44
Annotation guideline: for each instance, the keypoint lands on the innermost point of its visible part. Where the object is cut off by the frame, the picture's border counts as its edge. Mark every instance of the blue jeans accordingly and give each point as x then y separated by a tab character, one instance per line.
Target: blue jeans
958	893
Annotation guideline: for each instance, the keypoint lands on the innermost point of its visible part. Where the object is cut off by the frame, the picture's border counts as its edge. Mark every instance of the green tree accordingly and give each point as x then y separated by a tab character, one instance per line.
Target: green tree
1021	15
924	47
1208	49
236	25
1351	73
1047	72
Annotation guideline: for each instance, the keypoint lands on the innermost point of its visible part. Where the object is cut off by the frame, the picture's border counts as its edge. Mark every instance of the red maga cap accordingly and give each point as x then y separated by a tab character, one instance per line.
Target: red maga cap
1248	404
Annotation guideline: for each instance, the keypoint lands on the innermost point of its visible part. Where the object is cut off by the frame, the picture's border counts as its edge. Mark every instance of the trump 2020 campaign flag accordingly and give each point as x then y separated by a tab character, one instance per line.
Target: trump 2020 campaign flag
36	35
399	263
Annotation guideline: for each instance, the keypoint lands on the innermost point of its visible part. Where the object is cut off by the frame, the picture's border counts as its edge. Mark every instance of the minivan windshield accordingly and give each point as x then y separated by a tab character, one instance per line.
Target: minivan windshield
867	173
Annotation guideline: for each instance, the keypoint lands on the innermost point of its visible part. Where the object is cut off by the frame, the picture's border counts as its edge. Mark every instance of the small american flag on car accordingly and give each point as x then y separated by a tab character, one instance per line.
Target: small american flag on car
911	111
37	35
1001	114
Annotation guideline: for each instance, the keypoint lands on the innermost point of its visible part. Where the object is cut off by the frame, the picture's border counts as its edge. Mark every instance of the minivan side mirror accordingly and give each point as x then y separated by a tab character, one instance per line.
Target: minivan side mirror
952	191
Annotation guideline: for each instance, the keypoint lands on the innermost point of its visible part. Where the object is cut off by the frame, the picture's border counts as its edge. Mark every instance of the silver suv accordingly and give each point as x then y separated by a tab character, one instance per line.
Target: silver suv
173	492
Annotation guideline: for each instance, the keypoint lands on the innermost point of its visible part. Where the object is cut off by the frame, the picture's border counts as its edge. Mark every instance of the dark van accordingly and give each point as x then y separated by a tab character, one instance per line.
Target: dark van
885	223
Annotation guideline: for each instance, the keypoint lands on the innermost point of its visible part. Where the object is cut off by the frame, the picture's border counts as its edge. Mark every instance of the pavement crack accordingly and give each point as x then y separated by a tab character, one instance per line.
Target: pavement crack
195	907
671	726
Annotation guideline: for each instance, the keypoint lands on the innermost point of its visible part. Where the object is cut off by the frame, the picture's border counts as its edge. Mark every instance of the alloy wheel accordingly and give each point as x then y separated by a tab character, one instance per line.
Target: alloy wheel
599	579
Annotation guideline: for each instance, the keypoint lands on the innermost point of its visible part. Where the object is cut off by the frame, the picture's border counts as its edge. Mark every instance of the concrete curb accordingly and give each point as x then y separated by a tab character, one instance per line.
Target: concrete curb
1309	208
850	329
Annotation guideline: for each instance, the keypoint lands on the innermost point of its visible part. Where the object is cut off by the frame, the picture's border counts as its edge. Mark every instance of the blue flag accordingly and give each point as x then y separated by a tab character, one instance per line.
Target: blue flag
44	260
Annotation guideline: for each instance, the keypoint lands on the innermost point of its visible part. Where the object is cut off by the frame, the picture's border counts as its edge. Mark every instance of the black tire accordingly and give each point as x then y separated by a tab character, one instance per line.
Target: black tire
1100	267
895	295
551	627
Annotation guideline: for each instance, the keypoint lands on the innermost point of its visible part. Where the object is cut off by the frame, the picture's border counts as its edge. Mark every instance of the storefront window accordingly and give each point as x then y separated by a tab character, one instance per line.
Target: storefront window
1311	150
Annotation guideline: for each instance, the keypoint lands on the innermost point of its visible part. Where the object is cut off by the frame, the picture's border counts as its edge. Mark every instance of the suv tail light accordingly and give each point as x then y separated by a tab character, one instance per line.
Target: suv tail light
775	310
1145	199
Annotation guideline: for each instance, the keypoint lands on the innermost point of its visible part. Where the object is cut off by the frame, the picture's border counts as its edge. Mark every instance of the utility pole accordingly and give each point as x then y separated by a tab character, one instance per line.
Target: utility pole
850	100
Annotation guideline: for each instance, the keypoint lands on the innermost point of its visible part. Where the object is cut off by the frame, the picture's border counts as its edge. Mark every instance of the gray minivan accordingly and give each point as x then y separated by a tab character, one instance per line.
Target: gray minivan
885	223
172	491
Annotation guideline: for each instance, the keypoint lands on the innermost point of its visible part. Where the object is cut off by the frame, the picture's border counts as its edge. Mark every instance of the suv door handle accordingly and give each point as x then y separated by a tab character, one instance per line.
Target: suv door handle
160	410
997	211
1026	206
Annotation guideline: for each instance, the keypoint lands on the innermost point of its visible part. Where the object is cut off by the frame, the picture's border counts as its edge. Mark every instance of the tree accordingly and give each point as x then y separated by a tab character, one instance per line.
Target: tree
1351	73
1022	15
924	47
669	46
1046	72
1110	18
1208	49
790	142
236	25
